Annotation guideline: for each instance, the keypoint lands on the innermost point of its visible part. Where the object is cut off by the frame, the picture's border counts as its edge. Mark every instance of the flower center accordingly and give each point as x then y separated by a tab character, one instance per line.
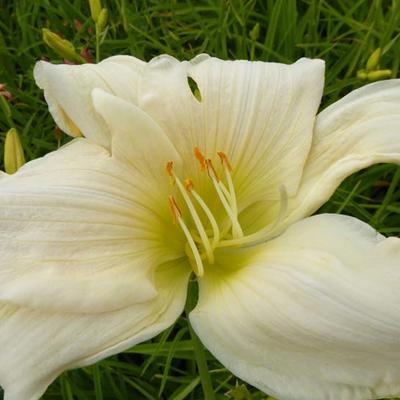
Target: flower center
208	235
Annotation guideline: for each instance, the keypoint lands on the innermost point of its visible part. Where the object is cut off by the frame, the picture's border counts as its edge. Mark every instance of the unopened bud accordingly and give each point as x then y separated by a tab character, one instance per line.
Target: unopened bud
255	32
362	74
102	20
373	76
95	9
61	46
239	392
13	152
373	60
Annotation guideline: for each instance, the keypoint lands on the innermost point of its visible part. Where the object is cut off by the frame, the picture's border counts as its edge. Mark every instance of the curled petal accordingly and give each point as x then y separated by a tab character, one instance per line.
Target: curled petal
37	345
359	130
68	88
137	140
314	314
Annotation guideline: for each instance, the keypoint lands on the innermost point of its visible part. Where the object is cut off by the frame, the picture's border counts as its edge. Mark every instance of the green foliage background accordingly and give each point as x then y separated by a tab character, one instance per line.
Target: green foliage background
343	32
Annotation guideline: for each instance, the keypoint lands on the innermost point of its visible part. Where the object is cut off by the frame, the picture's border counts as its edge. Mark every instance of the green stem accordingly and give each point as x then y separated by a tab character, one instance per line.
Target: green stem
97	44
376	219
198	347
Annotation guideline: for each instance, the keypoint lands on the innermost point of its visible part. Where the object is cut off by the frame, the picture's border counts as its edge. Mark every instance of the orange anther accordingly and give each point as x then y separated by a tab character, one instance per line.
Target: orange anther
170	171
170	168
224	160
198	154
211	170
176	212
188	184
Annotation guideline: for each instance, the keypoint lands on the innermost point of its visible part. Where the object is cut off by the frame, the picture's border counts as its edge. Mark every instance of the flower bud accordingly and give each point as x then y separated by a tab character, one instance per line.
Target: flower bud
13	152
362	74
255	32
95	9
239	392
373	76
62	47
373	60
102	20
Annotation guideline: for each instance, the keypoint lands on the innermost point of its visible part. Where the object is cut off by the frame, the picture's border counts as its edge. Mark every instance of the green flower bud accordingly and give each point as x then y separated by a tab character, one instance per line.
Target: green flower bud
373	76
13	152
362	74
373	59
95	9
102	20
61	46
239	392
255	32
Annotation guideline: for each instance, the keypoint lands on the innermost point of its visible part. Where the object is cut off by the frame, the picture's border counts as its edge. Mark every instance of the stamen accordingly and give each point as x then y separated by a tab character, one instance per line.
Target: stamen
176	212
216	234
224	160
202	160
201	242
198	267
188	184
213	174
192	209
228	169
211	170
236	228
170	167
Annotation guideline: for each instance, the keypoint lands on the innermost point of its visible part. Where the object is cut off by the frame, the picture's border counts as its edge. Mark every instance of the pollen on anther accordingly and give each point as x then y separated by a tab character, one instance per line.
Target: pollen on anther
224	160
170	167
202	160
211	170
176	212
170	171
188	185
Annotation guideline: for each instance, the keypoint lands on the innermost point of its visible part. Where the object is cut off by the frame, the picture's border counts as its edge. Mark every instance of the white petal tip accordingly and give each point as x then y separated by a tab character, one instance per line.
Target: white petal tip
38	73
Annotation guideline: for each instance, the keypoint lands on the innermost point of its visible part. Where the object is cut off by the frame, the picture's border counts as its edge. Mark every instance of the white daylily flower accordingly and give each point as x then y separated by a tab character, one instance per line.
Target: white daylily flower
92	263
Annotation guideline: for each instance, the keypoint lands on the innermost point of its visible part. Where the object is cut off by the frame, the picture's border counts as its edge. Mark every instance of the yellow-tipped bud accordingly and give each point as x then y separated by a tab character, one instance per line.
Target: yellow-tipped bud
102	20
13	152
373	76
61	46
255	32
95	9
373	60
362	74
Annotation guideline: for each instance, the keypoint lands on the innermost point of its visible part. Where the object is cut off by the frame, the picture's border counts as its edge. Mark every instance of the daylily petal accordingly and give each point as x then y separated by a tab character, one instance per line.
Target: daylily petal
313	314
355	132
260	114
68	88
137	140
79	233
37	345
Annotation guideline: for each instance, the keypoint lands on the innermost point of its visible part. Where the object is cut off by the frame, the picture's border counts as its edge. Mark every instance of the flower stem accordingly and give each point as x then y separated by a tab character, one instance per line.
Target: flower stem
198	347
97	44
